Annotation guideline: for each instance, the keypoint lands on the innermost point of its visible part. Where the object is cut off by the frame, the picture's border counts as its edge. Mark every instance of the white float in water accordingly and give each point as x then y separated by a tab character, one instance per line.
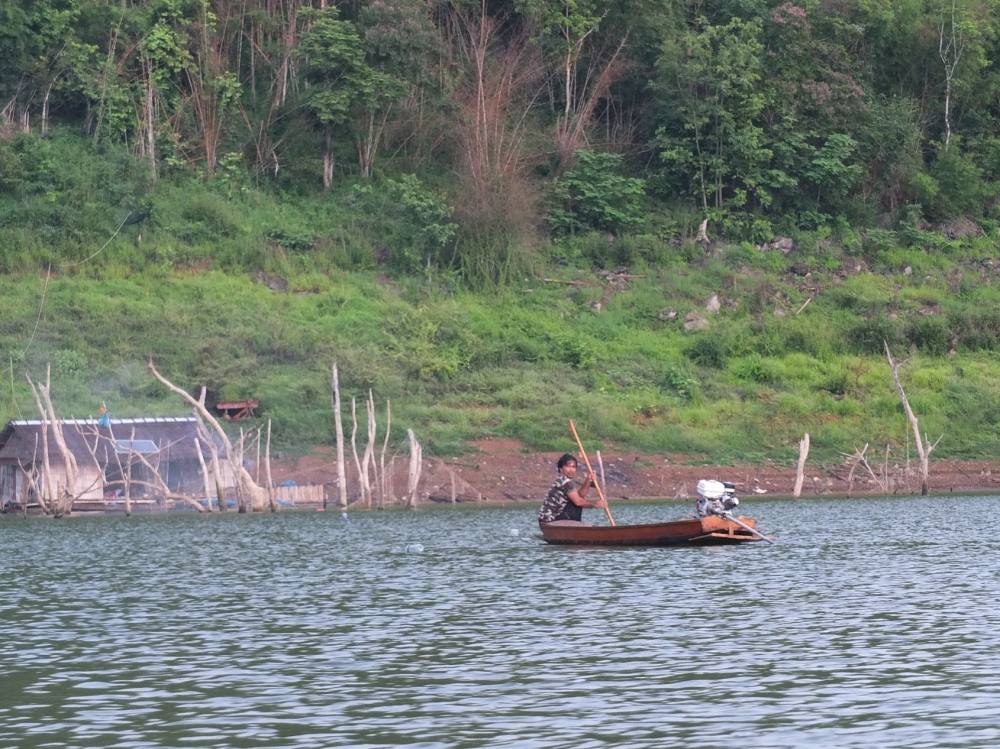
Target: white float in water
515	532
414	548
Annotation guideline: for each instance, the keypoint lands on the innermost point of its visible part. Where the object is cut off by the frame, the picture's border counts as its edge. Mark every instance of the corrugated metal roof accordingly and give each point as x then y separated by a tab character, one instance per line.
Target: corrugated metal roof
171	435
138	420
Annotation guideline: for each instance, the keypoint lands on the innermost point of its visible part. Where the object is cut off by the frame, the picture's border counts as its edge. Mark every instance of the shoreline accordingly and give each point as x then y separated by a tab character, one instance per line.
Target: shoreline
505	471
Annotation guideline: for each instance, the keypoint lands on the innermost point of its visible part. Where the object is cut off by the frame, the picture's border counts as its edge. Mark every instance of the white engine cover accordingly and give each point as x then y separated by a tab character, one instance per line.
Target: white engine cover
711	489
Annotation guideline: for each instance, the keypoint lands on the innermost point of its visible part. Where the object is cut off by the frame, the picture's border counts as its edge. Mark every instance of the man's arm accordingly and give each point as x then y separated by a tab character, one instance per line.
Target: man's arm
578	497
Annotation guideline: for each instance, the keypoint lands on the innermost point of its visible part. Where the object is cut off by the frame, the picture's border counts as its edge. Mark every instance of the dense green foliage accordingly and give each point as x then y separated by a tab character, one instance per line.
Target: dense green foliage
764	116
248	191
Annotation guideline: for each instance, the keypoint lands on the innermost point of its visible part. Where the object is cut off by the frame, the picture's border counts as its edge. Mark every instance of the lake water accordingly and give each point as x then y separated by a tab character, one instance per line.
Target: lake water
870	623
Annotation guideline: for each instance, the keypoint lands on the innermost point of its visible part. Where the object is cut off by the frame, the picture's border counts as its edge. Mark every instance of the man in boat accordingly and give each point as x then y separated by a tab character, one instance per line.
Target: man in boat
565	501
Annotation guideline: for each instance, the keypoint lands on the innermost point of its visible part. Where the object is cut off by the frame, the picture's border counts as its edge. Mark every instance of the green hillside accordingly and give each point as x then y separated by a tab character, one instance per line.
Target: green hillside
218	291
490	213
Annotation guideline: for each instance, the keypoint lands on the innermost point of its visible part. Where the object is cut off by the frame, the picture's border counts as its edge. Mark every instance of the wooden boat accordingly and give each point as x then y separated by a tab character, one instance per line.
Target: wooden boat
710	529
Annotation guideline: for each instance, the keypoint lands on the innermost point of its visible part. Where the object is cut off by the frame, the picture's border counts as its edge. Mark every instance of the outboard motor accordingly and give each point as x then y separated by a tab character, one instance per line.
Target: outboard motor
716	497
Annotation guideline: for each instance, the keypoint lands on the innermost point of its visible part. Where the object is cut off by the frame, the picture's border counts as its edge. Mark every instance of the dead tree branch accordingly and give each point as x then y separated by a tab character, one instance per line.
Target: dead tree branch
924	449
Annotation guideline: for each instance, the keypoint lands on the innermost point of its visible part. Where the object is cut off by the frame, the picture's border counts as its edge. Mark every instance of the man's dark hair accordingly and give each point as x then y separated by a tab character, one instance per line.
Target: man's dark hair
566	458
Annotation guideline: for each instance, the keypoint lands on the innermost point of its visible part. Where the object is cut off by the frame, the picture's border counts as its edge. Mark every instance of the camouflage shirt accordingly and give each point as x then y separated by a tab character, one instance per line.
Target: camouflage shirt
557	504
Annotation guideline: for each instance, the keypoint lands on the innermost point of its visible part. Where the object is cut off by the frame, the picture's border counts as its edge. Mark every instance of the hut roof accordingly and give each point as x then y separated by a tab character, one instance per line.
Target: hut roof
173	435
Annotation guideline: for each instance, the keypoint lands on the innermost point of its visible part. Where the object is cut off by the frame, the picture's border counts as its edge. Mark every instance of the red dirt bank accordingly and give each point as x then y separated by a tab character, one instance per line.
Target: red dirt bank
503	470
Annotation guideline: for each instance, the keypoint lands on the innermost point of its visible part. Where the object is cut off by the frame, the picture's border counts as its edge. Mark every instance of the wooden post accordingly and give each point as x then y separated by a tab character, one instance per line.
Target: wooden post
800	468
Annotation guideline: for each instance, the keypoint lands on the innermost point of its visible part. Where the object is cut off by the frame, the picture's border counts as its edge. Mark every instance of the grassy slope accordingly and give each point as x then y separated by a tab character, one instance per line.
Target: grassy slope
460	365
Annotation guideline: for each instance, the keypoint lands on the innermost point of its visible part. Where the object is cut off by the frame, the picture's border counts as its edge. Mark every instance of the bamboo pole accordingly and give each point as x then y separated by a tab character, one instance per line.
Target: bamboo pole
590	468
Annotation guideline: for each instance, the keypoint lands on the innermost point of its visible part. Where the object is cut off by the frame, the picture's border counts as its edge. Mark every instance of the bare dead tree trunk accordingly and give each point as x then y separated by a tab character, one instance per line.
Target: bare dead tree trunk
800	468
339	426
327	161
204	477
213	452
383	486
241	500
34	481
267	465
858	456
859	459
244	481
62	498
127	475
161	486
390	484
354	447
368	143
413	475
951	45
256	465
703	233
368	460
923	449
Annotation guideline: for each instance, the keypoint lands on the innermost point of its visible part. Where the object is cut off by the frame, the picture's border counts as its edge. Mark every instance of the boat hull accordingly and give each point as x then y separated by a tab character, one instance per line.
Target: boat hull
693	532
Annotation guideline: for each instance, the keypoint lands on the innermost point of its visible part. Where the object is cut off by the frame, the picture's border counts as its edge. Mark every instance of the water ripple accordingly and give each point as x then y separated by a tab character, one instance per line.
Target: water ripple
870	623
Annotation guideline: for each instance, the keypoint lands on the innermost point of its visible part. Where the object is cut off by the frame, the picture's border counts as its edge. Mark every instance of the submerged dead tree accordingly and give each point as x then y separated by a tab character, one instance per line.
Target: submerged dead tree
801	466
384	489
249	491
374	480
859	459
54	497
923	444
339	427
413	475
363	483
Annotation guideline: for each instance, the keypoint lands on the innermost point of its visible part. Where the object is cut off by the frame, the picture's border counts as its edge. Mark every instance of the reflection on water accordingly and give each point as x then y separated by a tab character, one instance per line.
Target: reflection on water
869	623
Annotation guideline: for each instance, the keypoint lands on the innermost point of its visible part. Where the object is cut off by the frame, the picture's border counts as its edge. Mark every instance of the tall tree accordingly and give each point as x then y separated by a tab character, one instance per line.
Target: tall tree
345	95
710	135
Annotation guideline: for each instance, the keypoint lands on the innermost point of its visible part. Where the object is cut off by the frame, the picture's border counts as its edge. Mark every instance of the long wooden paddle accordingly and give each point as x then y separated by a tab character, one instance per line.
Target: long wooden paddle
590	468
729	516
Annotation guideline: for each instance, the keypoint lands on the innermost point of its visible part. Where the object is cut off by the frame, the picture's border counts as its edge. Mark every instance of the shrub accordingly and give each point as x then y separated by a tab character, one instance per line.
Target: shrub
929	333
867	336
753	368
432	231
707	351
595	195
678	381
962	189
